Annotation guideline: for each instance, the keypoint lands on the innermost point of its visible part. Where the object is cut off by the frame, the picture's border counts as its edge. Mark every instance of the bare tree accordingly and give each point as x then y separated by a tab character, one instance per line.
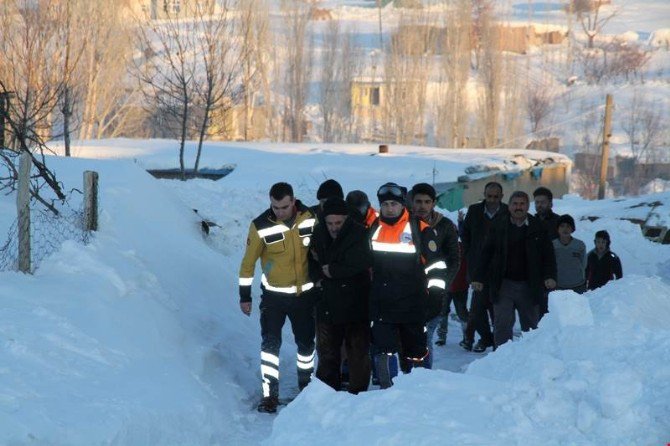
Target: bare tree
407	69
167	76
612	60
586	177
539	105
592	17
643	125
255	47
452	105
299	53
108	98
69	15
338	65
511	126
30	85
489	71
219	59
30	72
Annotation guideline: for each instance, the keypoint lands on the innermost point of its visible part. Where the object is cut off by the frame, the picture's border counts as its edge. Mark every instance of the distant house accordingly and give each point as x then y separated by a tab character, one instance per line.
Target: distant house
521	38
516	38
367	95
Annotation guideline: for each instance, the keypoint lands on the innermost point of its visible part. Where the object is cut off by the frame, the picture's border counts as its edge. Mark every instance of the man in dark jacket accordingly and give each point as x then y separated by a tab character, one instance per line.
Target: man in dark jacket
475	227
518	262
407	273
544	202
423	207
602	265
340	261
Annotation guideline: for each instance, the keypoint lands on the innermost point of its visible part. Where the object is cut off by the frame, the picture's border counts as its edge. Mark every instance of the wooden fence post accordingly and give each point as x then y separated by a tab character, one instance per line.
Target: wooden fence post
90	200
23	211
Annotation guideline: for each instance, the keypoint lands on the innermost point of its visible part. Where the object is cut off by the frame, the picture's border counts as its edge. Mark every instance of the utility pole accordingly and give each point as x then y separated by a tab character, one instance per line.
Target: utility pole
605	153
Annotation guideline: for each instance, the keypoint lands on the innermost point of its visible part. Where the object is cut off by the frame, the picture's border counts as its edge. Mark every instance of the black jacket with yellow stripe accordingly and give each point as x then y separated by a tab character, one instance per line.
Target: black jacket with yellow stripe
283	251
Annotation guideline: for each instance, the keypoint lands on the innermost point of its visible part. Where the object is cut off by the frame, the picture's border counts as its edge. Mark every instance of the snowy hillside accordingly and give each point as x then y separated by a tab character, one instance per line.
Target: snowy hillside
137	338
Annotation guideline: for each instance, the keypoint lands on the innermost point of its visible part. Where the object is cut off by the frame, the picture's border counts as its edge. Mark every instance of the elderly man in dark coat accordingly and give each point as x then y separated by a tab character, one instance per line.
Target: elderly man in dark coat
340	261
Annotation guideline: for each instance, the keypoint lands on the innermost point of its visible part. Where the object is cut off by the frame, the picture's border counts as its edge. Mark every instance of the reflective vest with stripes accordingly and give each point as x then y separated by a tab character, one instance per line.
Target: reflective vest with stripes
405	266
283	252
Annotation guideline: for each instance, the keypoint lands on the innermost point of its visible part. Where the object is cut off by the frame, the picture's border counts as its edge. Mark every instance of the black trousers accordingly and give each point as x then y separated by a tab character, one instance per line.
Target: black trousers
514	296
407	338
478	317
543	306
274	309
356	339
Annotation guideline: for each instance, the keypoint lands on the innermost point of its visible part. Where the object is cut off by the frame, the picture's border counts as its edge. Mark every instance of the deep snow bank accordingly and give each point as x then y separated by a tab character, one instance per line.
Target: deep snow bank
116	342
596	372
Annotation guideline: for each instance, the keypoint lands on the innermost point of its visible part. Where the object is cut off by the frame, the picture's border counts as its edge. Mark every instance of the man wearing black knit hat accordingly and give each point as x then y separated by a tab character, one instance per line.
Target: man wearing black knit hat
406	269
340	260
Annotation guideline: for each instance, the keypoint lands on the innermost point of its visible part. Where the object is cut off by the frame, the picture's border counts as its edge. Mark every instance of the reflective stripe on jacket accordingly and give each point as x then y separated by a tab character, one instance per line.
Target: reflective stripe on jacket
283	252
406	263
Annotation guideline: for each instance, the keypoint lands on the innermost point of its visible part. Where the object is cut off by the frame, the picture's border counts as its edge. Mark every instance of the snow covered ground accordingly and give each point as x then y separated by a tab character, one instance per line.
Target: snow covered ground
137	338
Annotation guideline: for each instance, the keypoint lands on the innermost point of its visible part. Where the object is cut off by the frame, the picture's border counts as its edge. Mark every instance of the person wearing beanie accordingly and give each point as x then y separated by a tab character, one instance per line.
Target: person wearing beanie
363	211
391	192
329	189
339	263
423	207
407	273
570	257
602	265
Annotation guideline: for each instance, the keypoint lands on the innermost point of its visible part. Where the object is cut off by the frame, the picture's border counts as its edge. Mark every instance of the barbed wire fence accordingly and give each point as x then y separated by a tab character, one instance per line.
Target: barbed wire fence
38	232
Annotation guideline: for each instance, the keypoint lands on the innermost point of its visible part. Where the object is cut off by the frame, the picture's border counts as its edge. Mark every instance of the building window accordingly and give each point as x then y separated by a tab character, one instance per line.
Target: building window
176	6
374	96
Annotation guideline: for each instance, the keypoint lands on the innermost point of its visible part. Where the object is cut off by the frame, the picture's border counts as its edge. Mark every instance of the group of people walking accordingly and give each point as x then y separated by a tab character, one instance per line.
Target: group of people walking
371	285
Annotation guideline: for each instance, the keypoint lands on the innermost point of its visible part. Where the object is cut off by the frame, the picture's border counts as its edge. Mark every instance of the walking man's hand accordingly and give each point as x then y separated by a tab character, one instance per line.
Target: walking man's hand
246	308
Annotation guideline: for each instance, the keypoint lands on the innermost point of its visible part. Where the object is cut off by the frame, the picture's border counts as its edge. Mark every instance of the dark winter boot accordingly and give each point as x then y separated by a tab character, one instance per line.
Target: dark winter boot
481	346
268	404
466	344
304	378
383	372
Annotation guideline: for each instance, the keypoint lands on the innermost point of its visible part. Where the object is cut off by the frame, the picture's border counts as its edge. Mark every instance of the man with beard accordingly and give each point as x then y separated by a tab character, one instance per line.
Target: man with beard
423	207
518	260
